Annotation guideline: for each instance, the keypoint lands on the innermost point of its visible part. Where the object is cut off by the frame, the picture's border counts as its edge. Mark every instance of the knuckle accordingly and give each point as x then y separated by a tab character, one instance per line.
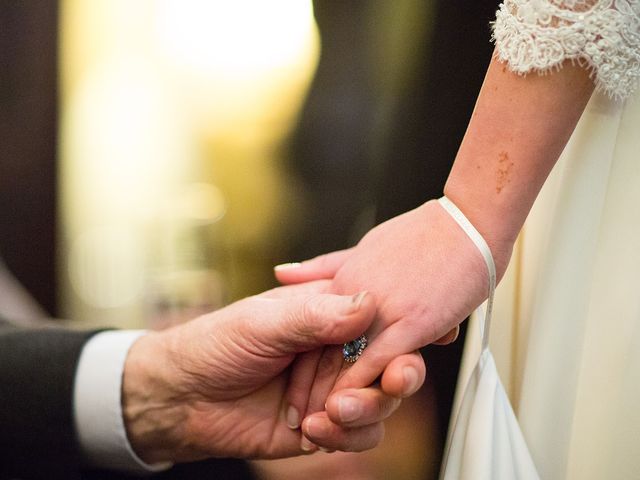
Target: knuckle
378	357
334	326
329	364
426	330
322	261
303	317
419	363
330	322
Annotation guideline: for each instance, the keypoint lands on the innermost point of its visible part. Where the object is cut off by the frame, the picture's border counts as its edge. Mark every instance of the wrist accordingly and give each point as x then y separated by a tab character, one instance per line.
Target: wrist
151	414
492	221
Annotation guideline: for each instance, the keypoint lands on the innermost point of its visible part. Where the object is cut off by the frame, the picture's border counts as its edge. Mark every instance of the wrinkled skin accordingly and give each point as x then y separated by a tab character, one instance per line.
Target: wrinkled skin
216	385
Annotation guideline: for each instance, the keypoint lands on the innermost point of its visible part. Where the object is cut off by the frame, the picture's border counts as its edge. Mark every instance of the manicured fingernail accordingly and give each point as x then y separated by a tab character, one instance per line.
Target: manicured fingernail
315	428
455	334
358	298
410	380
349	408
293	418
286	266
307	445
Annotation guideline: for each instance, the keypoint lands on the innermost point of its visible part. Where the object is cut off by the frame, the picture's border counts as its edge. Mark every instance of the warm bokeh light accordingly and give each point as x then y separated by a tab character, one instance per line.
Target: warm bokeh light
236	38
172	114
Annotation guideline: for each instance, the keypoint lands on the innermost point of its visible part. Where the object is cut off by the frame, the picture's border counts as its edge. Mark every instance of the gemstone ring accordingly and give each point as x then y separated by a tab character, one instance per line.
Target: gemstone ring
352	350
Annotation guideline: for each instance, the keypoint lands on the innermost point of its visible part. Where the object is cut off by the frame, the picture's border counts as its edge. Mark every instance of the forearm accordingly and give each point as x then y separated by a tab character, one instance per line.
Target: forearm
518	130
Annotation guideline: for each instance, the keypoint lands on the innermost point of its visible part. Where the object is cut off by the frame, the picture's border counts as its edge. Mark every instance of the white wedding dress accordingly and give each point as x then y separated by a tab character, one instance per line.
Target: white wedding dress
566	324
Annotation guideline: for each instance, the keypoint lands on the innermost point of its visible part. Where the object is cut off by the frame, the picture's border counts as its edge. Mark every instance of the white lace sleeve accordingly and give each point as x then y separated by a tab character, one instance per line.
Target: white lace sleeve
602	35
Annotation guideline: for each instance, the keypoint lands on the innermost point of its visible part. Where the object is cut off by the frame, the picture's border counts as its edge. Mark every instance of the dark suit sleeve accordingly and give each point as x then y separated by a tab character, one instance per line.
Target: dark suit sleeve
37	437
37	370
214	469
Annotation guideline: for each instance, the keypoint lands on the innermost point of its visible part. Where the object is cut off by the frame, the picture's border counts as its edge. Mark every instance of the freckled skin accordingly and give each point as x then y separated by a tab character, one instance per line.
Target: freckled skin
525	118
529	118
504	171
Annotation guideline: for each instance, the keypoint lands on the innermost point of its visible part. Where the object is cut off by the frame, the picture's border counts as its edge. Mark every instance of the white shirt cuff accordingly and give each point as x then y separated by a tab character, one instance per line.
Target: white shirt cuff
98	404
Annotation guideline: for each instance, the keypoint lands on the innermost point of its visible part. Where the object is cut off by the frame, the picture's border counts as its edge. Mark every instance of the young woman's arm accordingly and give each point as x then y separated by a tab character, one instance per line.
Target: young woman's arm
426	274
518	130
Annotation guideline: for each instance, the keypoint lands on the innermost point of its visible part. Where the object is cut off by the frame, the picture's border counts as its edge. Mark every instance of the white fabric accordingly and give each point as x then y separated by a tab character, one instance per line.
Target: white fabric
97	404
566	326
485	441
539	35
569	306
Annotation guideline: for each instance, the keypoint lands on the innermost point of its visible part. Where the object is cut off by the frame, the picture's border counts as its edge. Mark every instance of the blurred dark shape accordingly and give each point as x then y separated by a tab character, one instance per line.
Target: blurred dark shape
432	120
16	304
28	79
225	469
426	135
331	151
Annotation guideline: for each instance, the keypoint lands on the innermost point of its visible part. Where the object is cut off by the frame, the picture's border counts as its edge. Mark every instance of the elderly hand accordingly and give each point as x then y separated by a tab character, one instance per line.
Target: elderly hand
214	387
426	276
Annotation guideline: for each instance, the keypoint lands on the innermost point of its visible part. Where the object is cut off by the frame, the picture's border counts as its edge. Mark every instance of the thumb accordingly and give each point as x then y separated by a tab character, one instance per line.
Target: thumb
308	322
318	268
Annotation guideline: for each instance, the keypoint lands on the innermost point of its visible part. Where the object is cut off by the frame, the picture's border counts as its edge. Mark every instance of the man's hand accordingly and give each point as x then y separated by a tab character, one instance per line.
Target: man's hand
215	386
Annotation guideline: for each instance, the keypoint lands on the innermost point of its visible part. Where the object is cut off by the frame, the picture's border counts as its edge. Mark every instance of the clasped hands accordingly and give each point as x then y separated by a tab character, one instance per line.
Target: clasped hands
240	382
426	276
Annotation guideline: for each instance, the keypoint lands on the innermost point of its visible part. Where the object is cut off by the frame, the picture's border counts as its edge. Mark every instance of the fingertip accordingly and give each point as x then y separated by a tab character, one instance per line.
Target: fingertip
334	407
292	417
307	445
321	267
358	298
323	433
340	318
450	337
404	375
326	450
364	302
288	273
411	382
287	266
313	427
362	306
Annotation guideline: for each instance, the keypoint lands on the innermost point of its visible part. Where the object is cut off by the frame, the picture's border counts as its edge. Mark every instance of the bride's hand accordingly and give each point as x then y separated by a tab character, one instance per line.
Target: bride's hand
426	276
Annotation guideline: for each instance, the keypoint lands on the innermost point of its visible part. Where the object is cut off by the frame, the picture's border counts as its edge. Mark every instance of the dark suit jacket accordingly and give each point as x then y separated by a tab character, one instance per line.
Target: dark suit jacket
37	439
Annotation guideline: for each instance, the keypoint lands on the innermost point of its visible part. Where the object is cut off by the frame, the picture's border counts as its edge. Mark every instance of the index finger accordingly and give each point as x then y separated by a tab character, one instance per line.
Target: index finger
288	291
358	407
321	267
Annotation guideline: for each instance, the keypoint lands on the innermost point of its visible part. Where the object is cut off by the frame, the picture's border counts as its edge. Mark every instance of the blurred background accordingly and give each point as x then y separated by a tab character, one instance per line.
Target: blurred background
159	157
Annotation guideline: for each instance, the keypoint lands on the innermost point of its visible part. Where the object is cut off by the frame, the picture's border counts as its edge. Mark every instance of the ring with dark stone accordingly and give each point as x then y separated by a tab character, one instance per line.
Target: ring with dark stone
352	350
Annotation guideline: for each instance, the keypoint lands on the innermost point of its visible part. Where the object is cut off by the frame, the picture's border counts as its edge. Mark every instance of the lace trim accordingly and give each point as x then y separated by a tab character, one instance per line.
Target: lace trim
602	35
